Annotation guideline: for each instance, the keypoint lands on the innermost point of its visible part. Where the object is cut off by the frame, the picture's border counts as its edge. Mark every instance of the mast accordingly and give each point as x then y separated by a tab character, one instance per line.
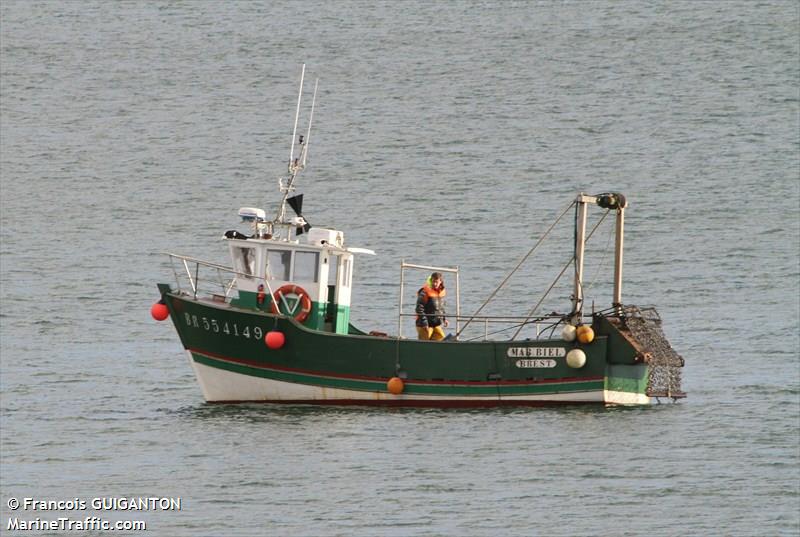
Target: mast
581	209
296	118
310	120
296	164
617	301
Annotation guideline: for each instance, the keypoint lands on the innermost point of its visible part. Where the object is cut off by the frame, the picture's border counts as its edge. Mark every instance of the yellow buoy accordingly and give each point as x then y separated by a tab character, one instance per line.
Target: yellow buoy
585	334
395	385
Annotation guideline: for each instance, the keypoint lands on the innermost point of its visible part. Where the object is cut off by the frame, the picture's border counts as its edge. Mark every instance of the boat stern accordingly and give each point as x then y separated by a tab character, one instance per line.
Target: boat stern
641	364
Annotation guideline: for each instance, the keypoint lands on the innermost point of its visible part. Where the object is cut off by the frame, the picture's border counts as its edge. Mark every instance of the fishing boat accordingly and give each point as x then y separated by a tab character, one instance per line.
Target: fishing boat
274	326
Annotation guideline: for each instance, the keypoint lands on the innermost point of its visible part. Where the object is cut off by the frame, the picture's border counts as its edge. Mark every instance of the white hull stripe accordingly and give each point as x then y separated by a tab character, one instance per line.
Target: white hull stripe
222	385
625	398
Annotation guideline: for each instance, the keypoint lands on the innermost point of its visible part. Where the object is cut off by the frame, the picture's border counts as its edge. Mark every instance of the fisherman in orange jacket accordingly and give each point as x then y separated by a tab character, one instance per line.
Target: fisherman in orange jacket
430	309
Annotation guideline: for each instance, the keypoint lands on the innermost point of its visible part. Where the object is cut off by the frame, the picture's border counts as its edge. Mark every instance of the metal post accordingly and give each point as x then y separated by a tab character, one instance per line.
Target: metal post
296	117
458	302
196	278
580	240
221	281
175	272
310	119
400	312
189	273
617	302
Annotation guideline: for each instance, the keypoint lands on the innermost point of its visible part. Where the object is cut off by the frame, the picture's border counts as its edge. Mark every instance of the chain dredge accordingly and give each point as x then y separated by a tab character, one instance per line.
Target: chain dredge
665	364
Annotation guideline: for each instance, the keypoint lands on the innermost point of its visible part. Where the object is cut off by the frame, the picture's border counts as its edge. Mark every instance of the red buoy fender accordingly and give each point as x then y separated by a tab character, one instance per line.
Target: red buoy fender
159	311
274	339
302	297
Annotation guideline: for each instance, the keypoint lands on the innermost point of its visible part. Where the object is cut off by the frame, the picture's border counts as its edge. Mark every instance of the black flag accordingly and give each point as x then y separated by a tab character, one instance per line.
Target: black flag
296	203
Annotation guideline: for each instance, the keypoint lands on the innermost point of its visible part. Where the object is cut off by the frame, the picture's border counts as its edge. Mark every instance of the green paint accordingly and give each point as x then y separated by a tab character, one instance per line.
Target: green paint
623	353
352	360
410	388
248	299
342	319
627	378
361	355
339	316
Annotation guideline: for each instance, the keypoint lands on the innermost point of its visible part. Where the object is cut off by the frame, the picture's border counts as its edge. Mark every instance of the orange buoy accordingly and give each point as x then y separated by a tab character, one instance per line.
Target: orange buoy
274	339
159	311
395	385
585	334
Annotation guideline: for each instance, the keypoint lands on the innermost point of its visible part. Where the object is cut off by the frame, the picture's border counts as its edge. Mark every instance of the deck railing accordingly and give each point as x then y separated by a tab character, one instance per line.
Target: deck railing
194	276
216	280
484	326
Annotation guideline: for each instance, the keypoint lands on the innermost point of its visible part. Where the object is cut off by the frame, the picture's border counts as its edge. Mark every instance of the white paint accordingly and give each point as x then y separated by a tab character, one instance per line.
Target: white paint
320	236
625	398
595	396
355	250
221	385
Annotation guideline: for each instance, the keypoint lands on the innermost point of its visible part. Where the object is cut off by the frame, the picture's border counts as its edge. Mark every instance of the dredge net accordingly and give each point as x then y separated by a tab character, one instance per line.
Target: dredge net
665	364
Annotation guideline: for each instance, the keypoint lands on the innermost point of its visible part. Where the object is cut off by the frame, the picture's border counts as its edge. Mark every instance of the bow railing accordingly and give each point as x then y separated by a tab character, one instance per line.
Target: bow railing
203	277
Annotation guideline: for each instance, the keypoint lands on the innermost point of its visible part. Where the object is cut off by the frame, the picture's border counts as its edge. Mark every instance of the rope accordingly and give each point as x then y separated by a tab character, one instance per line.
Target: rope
501	330
602	260
521	325
525	257
533	310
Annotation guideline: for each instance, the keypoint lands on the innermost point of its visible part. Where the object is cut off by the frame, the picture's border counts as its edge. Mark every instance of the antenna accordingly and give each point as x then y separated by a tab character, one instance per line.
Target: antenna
286	185
310	120
296	117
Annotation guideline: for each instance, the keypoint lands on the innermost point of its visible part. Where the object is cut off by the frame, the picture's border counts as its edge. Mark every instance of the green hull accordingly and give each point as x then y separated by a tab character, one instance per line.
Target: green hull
226	345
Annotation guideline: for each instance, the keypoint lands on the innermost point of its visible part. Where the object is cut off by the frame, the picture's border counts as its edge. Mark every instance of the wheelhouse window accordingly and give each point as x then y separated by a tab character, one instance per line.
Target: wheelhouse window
333	269
244	260
278	264
306	266
346	273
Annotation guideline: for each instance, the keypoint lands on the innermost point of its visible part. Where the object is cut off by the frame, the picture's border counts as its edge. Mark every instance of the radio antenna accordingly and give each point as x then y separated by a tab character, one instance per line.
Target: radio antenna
297	164
296	118
310	120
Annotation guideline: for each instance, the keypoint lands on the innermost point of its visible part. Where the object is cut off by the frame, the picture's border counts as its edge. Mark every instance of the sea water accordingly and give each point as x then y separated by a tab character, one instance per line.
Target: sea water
446	134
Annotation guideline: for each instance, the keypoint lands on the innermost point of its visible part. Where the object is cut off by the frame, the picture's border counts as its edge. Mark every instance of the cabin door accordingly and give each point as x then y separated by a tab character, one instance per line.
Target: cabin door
338	308
333	272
